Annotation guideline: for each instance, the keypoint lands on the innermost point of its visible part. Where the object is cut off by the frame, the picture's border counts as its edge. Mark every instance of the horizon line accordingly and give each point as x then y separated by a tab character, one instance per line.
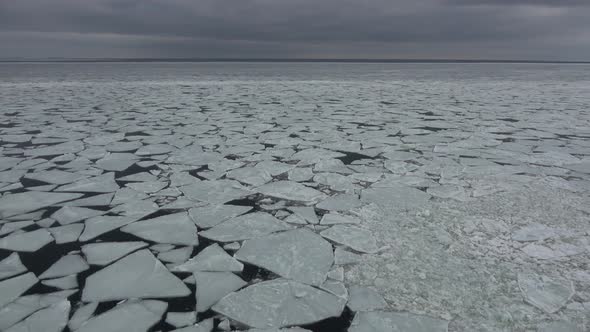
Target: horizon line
308	60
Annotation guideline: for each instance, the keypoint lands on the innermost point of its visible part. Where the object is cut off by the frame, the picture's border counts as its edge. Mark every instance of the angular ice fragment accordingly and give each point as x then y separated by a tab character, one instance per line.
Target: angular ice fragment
307	213
215	191
51	319
10	289
70	214
245	227
133	316
353	237
27	242
212	286
344	257
139	275
382	321
103	253
213	259
68	264
291	191
66	234
11	266
398	197
104	183
211	215
67	282
99	225
533	232
250	175
175	228
545	293
300	255
14	204
181	319
335	218
116	161
342	202
279	303
82	315
365	299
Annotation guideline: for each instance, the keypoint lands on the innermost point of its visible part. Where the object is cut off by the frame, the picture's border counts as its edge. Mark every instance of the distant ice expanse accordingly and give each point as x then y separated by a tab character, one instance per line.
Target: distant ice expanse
294	197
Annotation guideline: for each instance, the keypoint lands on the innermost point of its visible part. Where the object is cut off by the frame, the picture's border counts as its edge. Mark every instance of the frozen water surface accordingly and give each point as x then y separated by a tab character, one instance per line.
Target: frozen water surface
294	197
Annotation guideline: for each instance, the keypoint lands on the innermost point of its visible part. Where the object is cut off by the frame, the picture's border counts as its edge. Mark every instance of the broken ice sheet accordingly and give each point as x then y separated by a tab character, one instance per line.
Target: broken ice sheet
66	234
70	214
291	191
27	242
10	289
215	191
250	175
213	258
354	237
14	204
51	319
212	286
365	299
398	197
139	275
211	215
382	321
335	218
342	202
103	253
279	303
68	264
181	319
137	316
81	315
116	161
104	183
175	228
11	266
245	227
67	282
299	255
546	293
97	226
533	232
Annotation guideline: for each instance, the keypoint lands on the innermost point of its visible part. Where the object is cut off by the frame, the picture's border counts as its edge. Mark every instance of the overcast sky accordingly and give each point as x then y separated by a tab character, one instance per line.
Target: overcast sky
424	29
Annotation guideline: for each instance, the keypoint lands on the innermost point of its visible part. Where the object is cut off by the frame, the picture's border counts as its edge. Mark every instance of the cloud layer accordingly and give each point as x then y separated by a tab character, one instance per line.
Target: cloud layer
477	29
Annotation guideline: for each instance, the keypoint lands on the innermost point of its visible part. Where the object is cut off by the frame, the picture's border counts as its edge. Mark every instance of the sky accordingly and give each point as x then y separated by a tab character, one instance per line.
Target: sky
370	29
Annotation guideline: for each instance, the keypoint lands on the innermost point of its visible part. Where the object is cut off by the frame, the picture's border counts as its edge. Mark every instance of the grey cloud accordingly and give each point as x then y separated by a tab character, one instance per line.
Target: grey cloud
245	26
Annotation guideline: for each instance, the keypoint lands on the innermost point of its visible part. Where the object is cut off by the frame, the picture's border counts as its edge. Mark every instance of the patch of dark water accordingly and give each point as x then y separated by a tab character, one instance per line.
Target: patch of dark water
334	324
352	156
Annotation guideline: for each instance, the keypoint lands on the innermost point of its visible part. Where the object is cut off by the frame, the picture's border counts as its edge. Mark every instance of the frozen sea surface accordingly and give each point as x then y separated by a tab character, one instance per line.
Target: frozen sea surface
294	197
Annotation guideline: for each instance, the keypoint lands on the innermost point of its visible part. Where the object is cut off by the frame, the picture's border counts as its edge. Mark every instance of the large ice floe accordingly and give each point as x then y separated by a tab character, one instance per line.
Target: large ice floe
372	198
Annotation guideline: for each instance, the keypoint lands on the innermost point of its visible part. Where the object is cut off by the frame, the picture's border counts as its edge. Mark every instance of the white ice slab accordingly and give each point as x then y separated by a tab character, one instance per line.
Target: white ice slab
104	183
51	319
66	234
365	299
11	266
136	316
353	237
214	259
70	214
175	228
10	289
212	286
97	226
245	227
139	275
27	242
291	191
67	265
211	215
279	303
545	293
300	255
103	253
14	204
382	321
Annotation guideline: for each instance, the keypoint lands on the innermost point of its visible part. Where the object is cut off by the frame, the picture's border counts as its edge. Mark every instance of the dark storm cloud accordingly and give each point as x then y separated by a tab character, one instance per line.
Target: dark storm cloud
234	28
